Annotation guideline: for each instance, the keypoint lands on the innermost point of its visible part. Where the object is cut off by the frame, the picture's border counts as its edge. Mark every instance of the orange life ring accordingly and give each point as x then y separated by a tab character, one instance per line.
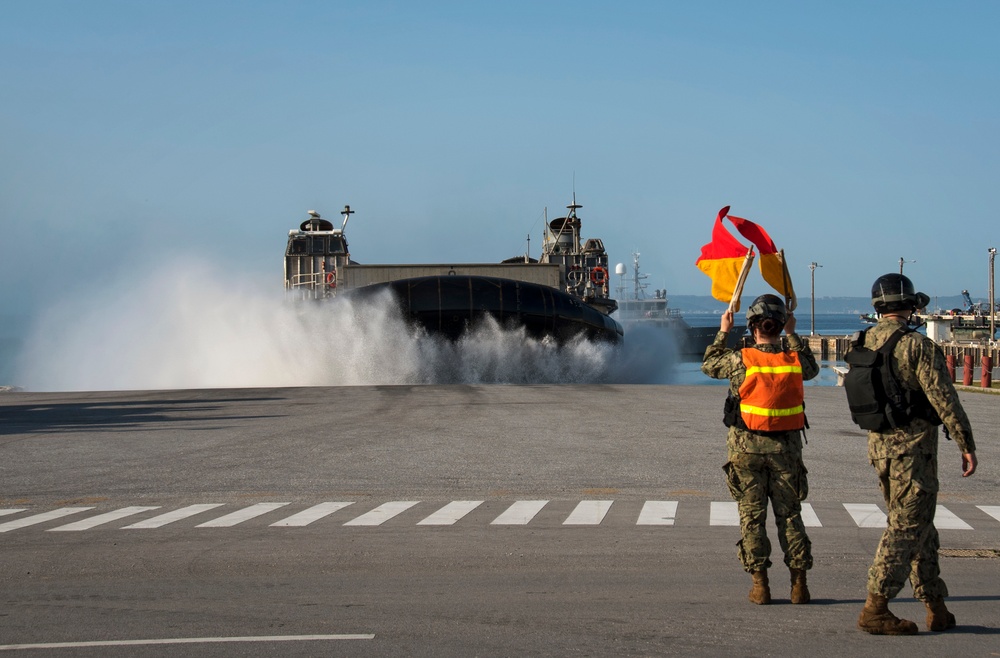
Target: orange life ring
598	276
331	278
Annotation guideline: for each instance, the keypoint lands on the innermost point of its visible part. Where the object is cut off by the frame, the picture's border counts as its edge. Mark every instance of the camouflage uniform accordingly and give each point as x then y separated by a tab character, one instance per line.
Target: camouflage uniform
905	461
765	466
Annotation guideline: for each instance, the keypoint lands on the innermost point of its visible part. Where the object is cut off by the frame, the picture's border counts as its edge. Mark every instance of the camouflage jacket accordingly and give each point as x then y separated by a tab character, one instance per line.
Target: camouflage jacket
919	365
720	362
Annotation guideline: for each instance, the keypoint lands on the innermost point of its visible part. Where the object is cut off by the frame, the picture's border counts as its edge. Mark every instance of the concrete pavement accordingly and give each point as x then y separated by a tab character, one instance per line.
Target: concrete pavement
605	584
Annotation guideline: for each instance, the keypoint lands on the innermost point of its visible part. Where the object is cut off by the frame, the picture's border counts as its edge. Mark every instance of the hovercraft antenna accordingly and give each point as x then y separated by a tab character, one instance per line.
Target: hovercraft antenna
346	212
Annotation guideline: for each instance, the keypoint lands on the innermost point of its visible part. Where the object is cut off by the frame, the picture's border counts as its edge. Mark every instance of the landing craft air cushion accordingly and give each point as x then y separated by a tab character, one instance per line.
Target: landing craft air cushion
562	295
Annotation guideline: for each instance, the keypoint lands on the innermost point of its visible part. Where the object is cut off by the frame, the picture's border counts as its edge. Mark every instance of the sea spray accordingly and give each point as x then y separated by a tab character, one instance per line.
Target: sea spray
190	326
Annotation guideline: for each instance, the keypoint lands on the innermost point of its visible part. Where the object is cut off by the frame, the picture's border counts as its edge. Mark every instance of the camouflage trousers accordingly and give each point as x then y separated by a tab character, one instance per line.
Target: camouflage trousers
753	480
909	545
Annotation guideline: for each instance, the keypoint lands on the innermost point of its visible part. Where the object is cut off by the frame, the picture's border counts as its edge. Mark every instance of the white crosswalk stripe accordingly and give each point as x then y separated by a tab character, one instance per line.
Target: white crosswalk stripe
809	518
307	516
242	515
383	513
41	518
171	517
658	512
992	510
945	519
724	514
520	512
589	512
451	513
100	519
728	514
865	515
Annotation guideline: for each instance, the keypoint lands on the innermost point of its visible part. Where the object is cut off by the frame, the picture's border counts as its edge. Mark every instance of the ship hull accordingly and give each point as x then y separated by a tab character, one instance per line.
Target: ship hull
697	340
690	342
450	305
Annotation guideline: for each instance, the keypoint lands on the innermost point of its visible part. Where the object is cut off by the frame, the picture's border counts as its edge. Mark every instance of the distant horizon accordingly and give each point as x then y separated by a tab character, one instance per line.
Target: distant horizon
825	305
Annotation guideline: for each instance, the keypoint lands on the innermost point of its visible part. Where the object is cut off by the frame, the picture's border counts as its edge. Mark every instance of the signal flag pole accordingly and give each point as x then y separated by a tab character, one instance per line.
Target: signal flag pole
734	303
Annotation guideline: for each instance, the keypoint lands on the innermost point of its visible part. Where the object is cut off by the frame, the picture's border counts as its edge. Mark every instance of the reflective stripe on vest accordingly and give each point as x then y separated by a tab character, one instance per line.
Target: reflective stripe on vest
772	394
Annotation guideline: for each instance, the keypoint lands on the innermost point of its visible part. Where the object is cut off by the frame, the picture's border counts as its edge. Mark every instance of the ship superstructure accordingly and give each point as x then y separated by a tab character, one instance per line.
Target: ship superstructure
563	294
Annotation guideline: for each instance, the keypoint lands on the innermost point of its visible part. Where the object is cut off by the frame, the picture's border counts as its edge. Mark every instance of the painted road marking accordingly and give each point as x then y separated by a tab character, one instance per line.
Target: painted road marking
589	512
865	515
945	519
992	510
809	518
307	516
520	513
658	512
724	514
383	513
100	519
242	515
170	517
451	512
188	640
41	518
728	514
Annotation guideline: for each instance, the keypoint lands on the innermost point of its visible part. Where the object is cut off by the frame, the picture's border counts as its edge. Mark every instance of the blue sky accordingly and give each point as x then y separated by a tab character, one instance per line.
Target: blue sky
137	134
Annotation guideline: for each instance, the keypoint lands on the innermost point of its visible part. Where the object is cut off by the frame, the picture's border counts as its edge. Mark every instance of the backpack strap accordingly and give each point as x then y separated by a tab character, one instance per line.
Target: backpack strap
890	344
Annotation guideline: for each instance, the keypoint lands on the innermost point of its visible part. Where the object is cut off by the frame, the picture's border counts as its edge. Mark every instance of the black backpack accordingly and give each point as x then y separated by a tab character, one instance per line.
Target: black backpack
877	399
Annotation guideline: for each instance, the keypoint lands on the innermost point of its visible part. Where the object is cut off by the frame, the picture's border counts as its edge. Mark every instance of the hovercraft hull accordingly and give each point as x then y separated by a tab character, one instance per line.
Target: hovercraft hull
450	305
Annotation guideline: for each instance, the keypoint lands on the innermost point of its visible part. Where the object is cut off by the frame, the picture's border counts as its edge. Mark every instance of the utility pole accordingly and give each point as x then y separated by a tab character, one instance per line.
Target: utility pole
812	297
993	312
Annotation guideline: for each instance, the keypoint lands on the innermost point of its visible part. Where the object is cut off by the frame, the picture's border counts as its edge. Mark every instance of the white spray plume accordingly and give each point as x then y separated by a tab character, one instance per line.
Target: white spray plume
190	326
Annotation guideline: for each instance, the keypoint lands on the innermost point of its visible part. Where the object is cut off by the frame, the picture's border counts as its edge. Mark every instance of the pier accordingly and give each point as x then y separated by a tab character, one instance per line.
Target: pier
828	348
833	348
966	361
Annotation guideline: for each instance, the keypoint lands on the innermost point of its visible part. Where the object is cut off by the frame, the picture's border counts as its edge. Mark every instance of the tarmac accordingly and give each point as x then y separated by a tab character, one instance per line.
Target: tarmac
445	520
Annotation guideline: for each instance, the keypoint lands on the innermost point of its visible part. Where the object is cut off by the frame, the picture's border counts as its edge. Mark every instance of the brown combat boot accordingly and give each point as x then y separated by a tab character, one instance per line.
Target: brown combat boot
938	617
760	593
876	619
800	591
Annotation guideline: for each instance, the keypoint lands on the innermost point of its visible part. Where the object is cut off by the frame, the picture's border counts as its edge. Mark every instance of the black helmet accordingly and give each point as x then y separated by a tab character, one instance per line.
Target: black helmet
767	306
894	292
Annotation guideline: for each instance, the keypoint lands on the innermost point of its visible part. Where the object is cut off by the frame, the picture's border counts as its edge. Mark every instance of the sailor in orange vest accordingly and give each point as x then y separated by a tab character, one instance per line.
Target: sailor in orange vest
765	413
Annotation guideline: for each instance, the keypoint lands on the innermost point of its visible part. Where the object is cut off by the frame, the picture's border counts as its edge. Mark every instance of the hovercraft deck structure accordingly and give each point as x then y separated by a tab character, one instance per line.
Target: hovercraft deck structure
562	295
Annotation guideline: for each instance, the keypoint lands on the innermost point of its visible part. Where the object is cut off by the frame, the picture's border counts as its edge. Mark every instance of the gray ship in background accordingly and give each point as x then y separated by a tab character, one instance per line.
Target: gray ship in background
639	312
561	295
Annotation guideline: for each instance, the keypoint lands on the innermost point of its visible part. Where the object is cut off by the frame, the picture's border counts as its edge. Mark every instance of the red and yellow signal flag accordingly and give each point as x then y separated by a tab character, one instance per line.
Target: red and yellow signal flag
772	262
725	260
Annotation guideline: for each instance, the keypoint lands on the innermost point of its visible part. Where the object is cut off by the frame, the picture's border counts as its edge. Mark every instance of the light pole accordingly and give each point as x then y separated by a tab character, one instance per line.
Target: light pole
993	313
901	261
812	298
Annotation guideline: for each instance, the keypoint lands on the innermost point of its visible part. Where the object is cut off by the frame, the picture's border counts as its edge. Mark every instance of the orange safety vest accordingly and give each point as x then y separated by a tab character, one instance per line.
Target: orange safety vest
772	397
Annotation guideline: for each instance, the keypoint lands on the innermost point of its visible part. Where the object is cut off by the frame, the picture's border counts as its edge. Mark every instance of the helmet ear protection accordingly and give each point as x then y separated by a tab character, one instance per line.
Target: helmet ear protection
895	292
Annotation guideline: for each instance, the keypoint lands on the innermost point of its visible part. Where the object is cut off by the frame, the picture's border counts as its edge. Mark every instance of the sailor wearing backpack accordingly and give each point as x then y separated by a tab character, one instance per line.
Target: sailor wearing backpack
765	415
899	389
